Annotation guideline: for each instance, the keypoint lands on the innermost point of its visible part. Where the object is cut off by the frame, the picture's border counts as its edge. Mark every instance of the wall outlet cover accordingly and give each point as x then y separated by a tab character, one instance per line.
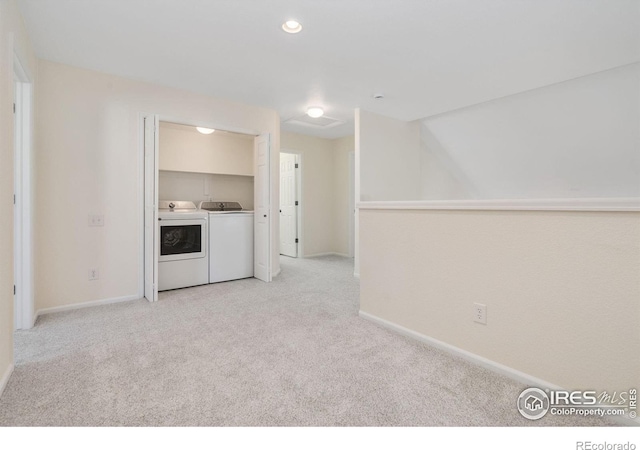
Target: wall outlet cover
480	313
96	220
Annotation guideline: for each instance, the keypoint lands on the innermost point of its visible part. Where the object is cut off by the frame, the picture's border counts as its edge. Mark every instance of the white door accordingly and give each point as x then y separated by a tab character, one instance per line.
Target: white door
262	204
288	205
151	128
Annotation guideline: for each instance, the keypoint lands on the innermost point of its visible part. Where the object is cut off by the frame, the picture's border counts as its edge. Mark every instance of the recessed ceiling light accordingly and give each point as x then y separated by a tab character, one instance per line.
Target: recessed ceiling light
292	26
205	130
315	112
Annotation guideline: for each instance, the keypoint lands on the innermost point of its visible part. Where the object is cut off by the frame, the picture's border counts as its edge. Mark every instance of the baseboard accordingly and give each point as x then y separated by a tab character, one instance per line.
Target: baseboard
468	356
105	301
315	255
488	364
276	273
5	378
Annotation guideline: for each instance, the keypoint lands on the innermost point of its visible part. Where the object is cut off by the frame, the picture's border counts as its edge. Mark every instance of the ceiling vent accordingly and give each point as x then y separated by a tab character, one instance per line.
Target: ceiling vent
320	122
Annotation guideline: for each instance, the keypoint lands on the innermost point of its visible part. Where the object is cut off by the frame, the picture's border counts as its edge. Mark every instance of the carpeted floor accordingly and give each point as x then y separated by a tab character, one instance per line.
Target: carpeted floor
293	352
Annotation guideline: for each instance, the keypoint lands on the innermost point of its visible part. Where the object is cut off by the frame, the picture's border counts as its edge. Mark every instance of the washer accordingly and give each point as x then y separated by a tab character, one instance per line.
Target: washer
230	241
183	256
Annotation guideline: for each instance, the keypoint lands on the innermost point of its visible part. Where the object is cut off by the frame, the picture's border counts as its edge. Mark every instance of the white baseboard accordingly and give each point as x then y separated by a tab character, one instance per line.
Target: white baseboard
105	301
276	273
5	378
472	357
488	364
315	255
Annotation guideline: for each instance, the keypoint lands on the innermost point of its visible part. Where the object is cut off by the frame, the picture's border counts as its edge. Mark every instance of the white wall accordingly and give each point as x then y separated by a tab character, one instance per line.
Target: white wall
562	288
196	167
13	38
390	162
184	149
206	186
317	182
575	139
341	149
441	178
88	146
580	138
325	191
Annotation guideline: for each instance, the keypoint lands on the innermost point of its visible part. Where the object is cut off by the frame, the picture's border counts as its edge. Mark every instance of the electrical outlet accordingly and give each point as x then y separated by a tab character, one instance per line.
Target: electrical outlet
94	274
480	313
96	220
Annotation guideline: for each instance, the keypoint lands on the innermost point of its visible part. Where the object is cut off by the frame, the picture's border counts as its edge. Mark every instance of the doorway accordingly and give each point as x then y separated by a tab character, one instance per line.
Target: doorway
290	208
150	126
24	311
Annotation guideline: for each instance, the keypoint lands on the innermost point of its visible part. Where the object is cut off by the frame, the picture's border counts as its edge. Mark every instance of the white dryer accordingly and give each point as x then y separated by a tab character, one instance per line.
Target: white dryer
183	257
230	241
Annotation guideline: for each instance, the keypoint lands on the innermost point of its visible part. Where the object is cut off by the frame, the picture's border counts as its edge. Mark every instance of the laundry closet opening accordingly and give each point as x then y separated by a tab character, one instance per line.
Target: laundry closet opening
205	206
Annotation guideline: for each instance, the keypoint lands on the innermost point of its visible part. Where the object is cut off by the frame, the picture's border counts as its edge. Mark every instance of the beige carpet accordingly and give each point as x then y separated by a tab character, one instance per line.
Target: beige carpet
293	352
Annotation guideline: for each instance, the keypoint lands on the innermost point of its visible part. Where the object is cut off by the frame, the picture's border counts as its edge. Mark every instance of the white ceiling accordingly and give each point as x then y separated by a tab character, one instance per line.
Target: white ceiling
426	56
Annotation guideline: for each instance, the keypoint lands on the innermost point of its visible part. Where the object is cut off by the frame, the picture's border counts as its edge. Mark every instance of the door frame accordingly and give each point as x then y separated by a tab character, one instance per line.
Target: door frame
150	245
299	190
24	308
352	203
143	167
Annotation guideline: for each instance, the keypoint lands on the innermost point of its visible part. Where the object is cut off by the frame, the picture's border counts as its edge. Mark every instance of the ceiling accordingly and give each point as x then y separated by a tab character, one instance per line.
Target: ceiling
426	56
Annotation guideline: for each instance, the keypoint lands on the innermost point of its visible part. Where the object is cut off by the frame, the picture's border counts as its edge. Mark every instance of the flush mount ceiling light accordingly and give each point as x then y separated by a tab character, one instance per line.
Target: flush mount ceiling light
205	130
315	112
292	26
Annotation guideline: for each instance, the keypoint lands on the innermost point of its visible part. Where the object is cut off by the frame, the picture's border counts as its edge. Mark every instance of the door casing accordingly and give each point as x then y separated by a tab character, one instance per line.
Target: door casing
142	184
24	304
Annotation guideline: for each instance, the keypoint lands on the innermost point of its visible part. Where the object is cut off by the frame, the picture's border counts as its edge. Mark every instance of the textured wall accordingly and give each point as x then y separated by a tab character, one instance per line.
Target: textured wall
562	289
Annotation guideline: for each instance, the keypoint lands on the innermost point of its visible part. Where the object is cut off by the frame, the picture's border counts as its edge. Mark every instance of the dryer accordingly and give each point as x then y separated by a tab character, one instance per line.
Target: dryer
183	256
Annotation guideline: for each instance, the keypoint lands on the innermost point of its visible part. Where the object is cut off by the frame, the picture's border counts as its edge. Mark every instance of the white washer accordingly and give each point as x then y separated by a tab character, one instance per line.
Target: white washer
230	241
183	256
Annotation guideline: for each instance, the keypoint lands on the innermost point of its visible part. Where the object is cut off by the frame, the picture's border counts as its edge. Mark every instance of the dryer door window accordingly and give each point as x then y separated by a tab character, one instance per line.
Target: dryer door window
177	240
181	241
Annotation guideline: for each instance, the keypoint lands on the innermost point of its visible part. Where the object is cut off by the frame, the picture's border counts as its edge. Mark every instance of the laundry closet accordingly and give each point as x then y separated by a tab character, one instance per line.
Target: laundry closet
205	209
